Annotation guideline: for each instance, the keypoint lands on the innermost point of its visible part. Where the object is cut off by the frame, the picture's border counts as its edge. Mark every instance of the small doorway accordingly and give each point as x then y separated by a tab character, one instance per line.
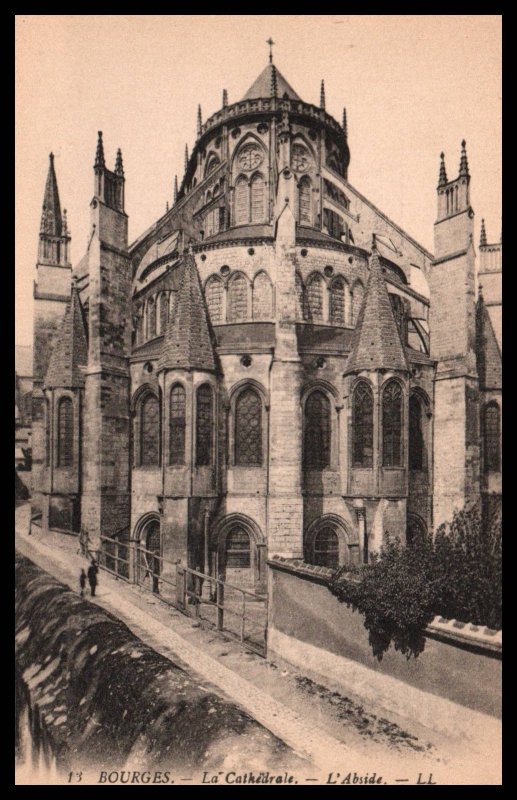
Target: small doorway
238	558
149	556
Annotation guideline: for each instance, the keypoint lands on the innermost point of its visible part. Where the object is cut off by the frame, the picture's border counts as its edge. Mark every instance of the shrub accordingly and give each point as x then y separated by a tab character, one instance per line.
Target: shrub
456	575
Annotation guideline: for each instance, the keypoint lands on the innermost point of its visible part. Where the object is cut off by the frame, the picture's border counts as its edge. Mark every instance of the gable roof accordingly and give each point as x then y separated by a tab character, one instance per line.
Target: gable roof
262	86
70	351
187	343
376	342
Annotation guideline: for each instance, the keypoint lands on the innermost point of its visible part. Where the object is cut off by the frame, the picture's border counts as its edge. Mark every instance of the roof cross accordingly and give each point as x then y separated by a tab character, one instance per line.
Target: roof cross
270	42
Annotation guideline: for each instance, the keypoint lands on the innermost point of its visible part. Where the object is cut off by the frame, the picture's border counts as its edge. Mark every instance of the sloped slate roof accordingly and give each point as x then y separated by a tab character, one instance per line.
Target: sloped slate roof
51	216
187	343
70	351
489	361
261	87
376	342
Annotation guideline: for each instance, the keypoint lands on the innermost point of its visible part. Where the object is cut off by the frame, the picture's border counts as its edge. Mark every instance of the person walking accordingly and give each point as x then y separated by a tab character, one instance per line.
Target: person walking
92	576
82	581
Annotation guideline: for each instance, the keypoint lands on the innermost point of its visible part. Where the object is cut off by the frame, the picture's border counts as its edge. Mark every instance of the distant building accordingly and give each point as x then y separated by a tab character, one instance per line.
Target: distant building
23	406
274	367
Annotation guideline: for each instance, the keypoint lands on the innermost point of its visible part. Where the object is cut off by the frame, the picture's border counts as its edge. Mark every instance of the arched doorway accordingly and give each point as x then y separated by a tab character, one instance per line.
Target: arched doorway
149	553
240	552
416	529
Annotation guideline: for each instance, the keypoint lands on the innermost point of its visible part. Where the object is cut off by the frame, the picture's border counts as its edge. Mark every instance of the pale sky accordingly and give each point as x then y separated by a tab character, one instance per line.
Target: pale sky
413	85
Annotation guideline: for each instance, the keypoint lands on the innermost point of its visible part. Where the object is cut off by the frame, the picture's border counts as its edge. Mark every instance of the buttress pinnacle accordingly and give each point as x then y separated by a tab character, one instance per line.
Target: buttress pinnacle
99	155
442	179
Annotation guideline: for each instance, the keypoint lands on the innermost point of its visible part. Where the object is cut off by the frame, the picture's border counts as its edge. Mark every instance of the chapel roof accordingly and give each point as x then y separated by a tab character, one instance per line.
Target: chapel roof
263	85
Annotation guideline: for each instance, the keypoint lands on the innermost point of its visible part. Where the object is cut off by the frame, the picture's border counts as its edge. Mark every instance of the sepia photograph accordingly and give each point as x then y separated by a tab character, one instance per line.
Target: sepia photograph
258	399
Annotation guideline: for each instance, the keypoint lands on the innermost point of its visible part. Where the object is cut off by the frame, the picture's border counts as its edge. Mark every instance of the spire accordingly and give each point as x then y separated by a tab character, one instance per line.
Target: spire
482	237
442	178
274	87
51	220
322	95
99	155
119	167
270	42
175	188
199	120
186	157
64	224
345	124
376	342
464	166
70	351
166	206
187	343
225	98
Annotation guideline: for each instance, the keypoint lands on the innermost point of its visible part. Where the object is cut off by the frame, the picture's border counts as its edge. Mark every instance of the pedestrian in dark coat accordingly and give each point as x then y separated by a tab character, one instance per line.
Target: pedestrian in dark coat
82	581
92	576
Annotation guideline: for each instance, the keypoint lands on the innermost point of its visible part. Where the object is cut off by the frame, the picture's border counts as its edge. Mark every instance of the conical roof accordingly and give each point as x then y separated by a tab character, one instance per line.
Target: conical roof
187	343
376	342
70	351
261	87
51	220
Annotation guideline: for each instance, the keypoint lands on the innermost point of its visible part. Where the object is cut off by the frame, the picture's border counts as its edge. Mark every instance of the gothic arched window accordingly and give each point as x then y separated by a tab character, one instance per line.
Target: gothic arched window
362	426
151	318
238	299
338	301
326	548
177	426
416	434
316	448
248	429
392	425
238	549
304	202
491	438
241	213
65	433
214	299
150	431
315	298
357	301
262	297
204	424
258	197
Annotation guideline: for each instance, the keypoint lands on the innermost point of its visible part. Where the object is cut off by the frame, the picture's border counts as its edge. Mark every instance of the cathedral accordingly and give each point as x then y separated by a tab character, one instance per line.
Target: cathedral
274	367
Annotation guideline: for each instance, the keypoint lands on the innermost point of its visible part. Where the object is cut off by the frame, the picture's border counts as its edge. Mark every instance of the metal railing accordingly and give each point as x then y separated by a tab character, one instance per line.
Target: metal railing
239	612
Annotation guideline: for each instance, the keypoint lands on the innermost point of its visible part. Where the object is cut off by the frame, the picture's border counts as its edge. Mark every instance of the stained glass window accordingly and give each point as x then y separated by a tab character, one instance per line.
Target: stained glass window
238	299
237	548
300	293
150	431
248	429
357	301
362	426
177	426
241	202
304	202
315	298
491	435
317	431
65	425
392	425
416	435
326	548
258	196
262	297
337	301
214	299
164	311
204	425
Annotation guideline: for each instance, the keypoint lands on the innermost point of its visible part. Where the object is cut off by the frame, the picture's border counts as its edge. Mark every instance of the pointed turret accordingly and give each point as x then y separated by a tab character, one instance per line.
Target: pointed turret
322	95
99	154
186	157
482	237
376	342
51	220
119	166
263	86
225	98
187	342
442	178
464	166
199	120
345	124
70	351
175	188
